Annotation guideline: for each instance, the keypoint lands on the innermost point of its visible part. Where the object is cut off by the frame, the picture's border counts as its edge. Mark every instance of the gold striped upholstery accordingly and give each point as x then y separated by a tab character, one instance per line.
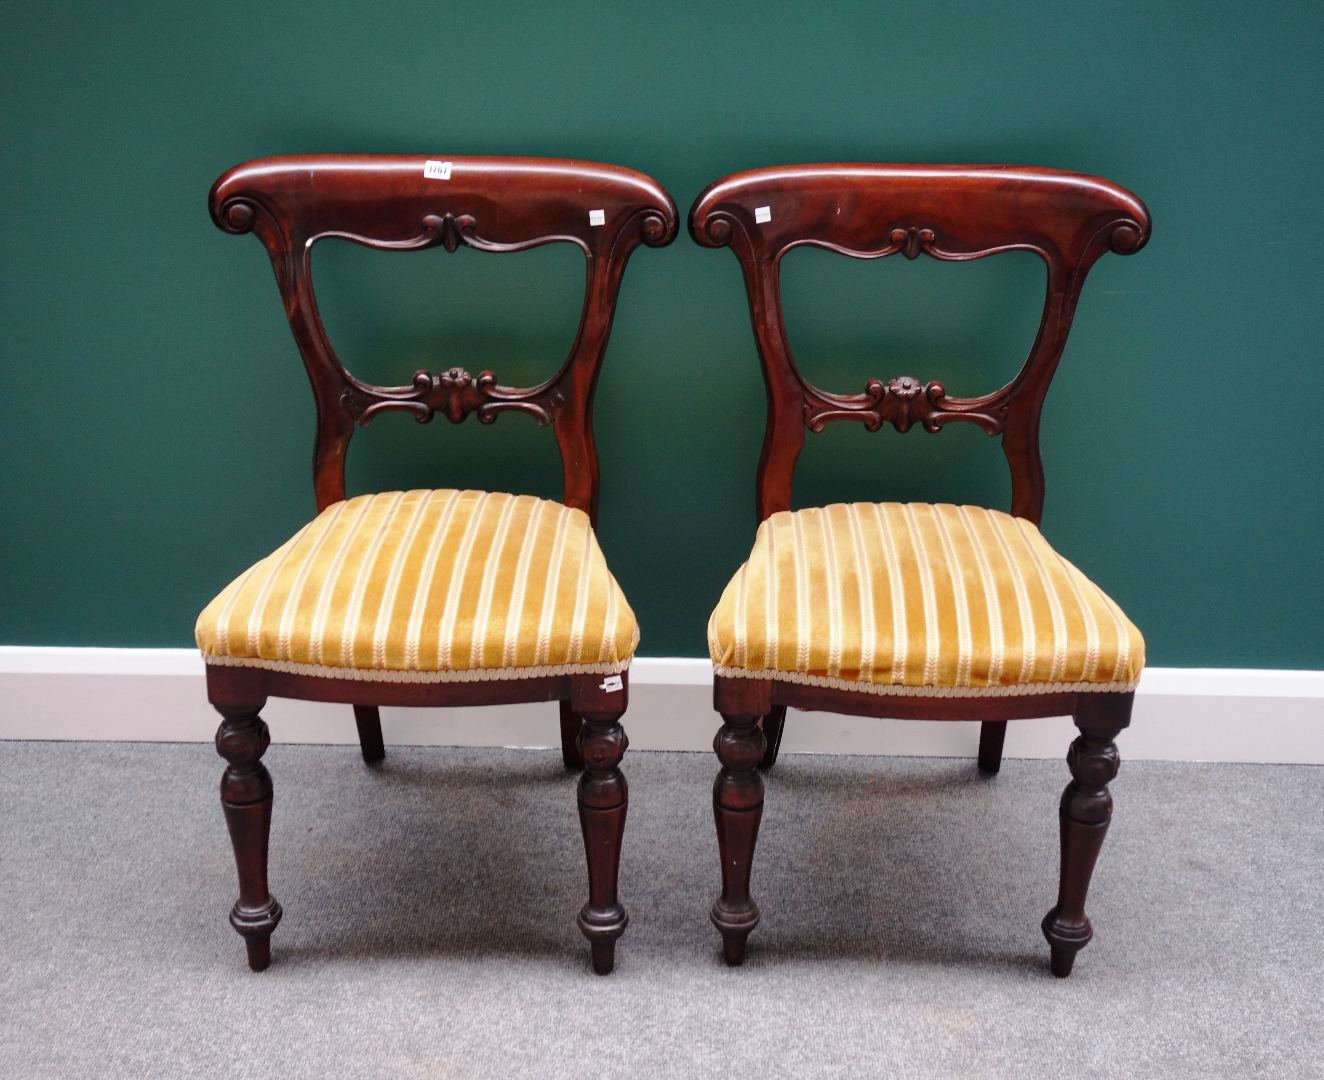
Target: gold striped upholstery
428	586
919	599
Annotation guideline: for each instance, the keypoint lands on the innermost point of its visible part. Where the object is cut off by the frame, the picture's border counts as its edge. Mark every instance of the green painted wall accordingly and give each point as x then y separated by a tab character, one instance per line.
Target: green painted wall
157	428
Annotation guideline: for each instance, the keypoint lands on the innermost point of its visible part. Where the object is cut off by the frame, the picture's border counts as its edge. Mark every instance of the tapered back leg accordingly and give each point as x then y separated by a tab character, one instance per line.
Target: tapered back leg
368	719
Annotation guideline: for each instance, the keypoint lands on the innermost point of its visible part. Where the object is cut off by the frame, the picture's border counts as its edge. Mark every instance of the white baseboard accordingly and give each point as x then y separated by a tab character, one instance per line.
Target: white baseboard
1181	714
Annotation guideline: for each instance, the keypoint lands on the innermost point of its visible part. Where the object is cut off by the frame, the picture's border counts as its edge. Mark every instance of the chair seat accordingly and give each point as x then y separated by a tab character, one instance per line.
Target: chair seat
919	599
428	586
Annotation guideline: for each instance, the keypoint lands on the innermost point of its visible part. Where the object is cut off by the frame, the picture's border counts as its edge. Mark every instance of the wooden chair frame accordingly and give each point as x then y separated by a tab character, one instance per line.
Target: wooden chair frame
490	204
952	213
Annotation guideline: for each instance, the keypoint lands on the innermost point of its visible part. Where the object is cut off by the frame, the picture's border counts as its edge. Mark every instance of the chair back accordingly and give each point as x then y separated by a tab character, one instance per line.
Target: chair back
950	212
492	204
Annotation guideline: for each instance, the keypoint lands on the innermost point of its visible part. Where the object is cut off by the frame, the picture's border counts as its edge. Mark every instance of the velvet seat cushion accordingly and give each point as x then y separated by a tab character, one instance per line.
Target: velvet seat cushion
428	586
919	599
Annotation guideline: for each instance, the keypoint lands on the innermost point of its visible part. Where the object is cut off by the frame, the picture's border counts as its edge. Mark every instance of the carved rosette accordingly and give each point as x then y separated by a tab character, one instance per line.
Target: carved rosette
454	394
903	402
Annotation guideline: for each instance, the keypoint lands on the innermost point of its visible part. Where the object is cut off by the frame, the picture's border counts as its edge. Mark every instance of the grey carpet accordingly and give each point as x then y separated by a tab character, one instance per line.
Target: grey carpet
429	922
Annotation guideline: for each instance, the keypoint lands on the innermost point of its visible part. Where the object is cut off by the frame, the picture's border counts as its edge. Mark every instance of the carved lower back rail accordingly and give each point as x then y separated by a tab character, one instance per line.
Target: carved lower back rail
454	394
903	402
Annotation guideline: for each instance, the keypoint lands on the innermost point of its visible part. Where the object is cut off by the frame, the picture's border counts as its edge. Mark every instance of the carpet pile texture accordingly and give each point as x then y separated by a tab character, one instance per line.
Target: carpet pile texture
430	904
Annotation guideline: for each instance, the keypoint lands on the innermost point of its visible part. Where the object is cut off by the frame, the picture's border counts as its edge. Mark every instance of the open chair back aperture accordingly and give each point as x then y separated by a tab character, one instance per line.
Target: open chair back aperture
438	597
909	610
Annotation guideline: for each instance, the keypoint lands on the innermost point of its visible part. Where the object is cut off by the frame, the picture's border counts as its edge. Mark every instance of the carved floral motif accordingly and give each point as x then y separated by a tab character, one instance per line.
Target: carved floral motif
448	230
905	387
912	241
902	402
454	393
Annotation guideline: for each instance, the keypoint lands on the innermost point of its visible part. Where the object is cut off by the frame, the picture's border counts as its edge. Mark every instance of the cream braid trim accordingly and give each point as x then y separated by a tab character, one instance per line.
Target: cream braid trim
323	671
896	690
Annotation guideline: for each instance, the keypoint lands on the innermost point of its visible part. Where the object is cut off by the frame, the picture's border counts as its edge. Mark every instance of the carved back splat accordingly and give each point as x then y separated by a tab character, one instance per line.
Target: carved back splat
950	212
489	204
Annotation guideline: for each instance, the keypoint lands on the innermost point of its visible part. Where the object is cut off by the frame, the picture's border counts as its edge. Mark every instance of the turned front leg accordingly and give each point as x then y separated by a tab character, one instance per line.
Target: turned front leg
737	808
242	739
1084	814
603	799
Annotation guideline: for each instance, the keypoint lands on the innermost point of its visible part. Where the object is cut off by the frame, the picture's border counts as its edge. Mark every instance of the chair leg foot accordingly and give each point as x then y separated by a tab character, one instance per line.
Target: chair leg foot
256	926
259	953
603	928
1061	961
735	926
992	734
604	956
571	723
603	801
737	810
1066	936
246	796
368	719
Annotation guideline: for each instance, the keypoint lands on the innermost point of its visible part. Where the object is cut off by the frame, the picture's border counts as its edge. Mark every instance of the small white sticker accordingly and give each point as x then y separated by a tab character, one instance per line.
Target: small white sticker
437	170
598	217
612	683
762	214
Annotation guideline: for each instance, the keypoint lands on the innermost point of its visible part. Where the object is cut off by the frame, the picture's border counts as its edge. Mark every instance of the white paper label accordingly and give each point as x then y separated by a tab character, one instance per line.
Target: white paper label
597	217
437	170
612	683
762	214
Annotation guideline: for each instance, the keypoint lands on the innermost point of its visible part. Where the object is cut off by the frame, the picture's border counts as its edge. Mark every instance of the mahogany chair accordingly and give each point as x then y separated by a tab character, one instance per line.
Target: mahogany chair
434	598
908	610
